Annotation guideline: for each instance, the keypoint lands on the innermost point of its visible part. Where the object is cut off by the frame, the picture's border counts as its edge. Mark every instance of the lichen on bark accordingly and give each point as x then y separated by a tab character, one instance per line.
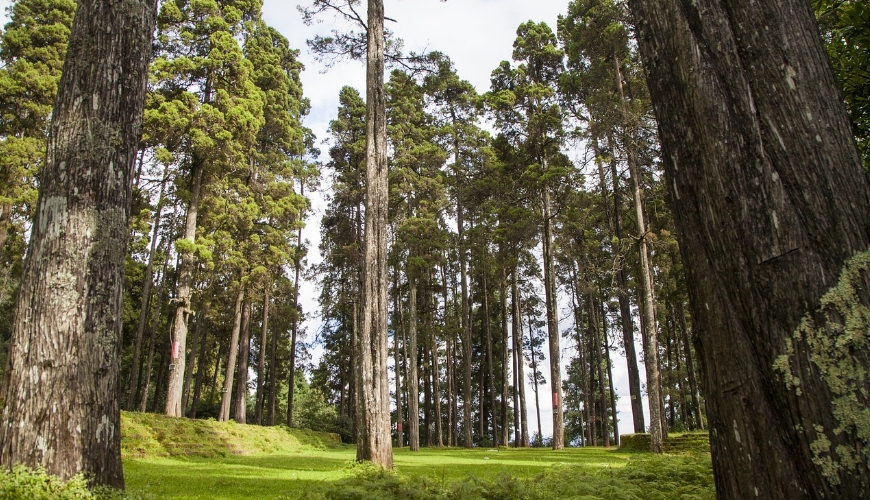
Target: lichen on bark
835	337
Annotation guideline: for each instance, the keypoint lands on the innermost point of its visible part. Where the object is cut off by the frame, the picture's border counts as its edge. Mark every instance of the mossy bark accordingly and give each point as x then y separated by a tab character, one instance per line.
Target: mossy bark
62	404
770	202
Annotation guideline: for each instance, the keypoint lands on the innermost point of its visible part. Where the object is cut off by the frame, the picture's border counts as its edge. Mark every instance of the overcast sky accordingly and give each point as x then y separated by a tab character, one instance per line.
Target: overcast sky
476	35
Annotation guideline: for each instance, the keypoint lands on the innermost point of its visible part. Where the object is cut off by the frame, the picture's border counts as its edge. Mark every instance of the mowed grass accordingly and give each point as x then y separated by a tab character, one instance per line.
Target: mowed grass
163	458
293	475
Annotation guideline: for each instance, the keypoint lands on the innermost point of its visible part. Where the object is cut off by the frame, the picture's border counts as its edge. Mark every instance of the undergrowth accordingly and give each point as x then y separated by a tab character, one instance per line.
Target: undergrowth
645	477
27	484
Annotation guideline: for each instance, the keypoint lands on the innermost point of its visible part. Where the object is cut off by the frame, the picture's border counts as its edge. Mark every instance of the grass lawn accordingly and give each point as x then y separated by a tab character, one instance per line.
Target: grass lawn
178	458
292	475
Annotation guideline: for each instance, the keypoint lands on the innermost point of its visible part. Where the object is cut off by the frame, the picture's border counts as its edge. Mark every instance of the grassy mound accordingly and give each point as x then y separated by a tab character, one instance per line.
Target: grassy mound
151	435
676	443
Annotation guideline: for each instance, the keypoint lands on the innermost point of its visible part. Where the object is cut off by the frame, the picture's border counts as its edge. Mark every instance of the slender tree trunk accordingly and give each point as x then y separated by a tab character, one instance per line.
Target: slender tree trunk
610	375
188	371
490	372
466	335
413	377
66	335
241	404
159	383
133	381
227	392
258	412
535	385
273	377
505	356
625	309
185	287
690	367
397	333
521	360
553	325
201	368
745	95
436	368
152	345
294	335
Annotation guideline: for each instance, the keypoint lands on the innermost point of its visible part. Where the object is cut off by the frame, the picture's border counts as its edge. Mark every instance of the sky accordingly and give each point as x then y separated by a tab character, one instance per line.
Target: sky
477	35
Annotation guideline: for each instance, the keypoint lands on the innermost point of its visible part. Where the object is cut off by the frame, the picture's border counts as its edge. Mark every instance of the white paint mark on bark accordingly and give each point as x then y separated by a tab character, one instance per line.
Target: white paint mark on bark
737	433
40	443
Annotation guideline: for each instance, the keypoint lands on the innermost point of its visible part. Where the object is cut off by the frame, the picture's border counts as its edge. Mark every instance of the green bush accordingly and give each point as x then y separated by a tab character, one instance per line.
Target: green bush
27	484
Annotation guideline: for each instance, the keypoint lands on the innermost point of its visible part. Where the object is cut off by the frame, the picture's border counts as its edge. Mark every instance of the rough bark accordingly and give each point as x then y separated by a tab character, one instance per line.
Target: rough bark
467	397
233	351
772	209
552	325
373	391
240	413
61	407
183	311
188	371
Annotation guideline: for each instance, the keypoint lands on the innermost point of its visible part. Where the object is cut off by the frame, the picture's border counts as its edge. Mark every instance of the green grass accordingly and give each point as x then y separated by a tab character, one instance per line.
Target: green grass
183	459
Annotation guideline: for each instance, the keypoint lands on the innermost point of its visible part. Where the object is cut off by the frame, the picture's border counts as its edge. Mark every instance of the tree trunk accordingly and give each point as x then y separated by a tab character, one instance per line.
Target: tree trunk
66	335
261	362
413	377
373	391
610	376
772	208
535	385
690	368
505	356
397	334
490	373
201	369
227	392
625	314
240	415
294	335
273	377
553	325
133	381
188	371
466	329
521	360
436	367
185	287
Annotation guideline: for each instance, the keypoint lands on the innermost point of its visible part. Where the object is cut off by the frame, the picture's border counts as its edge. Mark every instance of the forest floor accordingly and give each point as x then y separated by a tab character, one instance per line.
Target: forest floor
184	459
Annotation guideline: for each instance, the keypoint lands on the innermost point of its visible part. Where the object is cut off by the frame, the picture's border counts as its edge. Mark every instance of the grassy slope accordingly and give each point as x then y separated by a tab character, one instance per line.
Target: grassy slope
184	459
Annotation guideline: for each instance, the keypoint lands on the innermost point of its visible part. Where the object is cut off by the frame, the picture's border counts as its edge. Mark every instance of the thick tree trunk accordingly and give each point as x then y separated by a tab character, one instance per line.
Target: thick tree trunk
413	377
373	392
261	362
144	307
233	351
178	347
773	213
66	337
240	415
553	325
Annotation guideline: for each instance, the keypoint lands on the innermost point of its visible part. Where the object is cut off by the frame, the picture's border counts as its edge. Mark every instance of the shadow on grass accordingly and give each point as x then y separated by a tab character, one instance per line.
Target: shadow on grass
244	477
